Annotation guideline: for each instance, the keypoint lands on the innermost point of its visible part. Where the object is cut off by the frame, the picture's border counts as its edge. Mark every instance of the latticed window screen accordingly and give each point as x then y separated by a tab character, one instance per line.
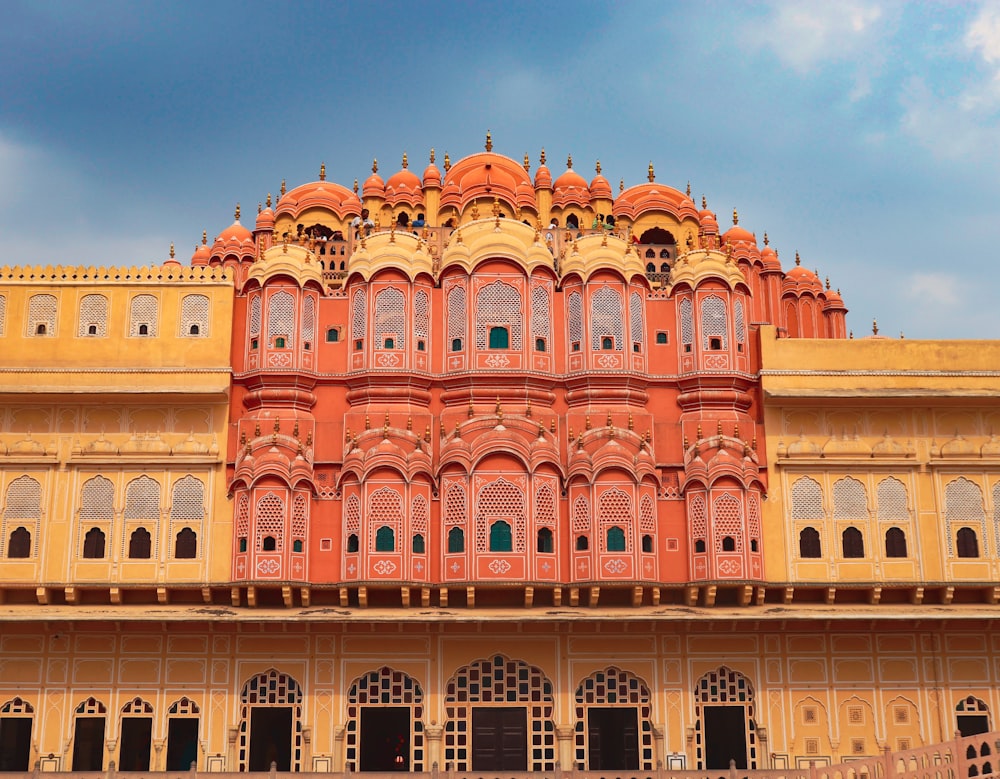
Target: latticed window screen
359	315
635	317
300	514
255	317
500	500
753	515
187	503
963	506
243	516
17	705
22	508
614	687
807	499
271	689
581	515
687	321
309	319
850	501
97	501
454	505
143	315
891	498
184	707
390	317
93	314
727	521
540	312
385	509
545	505
3	314
996	514
698	517
740	324
137	706
575	306
713	321
421	316
281	318
498	304
456	315
91	706
647	515
730	688
386	688
614	509
269	519
419	515
499	681
606	317
142	499
353	514
194	315
41	311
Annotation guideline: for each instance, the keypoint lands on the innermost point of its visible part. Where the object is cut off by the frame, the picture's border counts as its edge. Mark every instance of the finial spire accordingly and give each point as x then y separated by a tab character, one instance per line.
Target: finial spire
406	161
651	175
569	162
489	141
322	171
736	217
355	186
704	203
237	212
432	155
375	165
798	260
204	237
874	327
541	157
283	190
526	163
688	190
172	253
268	201
447	162
597	167
766	242
828	282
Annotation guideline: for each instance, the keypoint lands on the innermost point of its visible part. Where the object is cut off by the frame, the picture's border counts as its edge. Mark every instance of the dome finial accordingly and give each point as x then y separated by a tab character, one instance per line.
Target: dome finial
526	163
283	190
828	282
651	175
268	201
621	186
432	155
798	260
322	171
172	253
447	162
355	186
489	141
766	242
406	161
237	214
874	327
260	208
541	157
736	217
688	190
375	165
569	162
704	203
204	237
597	167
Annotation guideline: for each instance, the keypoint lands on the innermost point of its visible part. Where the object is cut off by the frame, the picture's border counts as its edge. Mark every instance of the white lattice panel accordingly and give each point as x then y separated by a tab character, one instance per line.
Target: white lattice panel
635	317
807	499
281	318
255	317
97	501
850	500
385	509
194	315
891	496
24	499
687	321
647	515
309	318
727	520
269	518
575	306
963	501
713	321
41	311
300	516
419	519
455	505
93	313
352	514
390	317
421	314
581	515
545	505
144	311
698	517
614	508
753	515
740	323
498	304
243	516
3	314
456	315
142	499
500	500
540	315
606	317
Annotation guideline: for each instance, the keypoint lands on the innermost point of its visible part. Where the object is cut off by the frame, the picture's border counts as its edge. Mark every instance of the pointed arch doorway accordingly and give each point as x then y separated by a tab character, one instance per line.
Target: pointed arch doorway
725	729
270	723
385	730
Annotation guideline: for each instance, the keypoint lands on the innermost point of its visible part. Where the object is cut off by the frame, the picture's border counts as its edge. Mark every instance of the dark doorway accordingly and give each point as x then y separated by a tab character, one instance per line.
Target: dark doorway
137	739
725	732
613	739
182	743
385	738
15	743
88	744
270	738
973	724
500	739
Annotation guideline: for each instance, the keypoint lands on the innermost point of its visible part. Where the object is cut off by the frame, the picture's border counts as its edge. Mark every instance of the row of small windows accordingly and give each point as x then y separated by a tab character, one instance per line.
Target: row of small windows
714	324
500	540
140	544
852	543
93	318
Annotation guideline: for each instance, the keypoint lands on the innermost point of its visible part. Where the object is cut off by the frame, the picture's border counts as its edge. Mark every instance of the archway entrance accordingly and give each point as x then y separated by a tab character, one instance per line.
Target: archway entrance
613	727
385	729
499	738
182	735
612	739
270	738
724	726
88	736
270	723
972	717
15	735
136	736
385	738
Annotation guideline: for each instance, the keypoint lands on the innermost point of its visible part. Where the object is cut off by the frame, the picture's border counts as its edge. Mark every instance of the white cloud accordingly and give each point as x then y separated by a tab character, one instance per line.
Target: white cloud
983	33
934	289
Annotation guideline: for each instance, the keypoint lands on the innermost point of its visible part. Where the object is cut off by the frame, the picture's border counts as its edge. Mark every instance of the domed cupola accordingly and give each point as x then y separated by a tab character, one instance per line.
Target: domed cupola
403	187
570	188
799	280
374	186
769	257
202	252
706	219
543	176
432	176
172	263
600	187
234	240
737	235
265	217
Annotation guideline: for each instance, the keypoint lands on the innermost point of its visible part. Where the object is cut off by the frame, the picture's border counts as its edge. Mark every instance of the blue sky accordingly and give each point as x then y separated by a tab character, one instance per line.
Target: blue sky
864	135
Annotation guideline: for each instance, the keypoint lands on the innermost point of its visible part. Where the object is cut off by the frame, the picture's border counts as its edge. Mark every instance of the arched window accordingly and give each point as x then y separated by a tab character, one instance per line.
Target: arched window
385	539
332	335
498	308
544	540
41	315
728	544
647	544
93	544
967	542
456	540
297	545
281	319
582	543
714	329
500	537
19	545
616	539
606	317
895	542
686	324
575	306
186	544
93	316
456	318
499	338
418	544
853	543
699	546
194	315
139	544
390	319
809	545
352	542
269	544
143	315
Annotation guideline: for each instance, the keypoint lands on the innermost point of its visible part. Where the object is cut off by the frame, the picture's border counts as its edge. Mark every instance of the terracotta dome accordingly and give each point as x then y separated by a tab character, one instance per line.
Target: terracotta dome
202	252
769	257
600	186
833	301
318	194
487	175
235	232
543	177
635	201
374	186
570	187
235	239
801	279
172	261
265	219
432	176
404	186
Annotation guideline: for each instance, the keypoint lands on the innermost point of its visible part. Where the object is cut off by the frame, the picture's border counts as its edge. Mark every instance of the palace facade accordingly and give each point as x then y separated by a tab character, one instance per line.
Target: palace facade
485	470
